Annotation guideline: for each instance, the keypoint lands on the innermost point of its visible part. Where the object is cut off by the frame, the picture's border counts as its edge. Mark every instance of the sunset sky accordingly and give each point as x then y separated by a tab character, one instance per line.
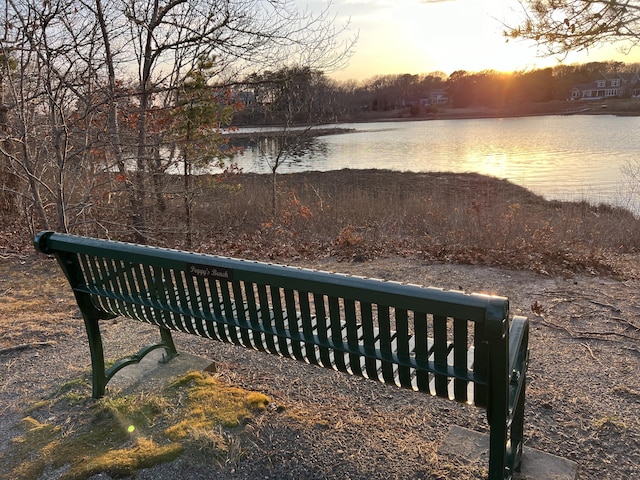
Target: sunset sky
423	36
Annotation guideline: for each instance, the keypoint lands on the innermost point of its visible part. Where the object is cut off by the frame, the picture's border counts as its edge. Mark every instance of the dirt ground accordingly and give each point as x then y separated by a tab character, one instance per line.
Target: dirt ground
583	398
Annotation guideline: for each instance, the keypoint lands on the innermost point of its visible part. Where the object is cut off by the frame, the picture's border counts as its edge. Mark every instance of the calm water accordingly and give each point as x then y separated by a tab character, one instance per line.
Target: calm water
560	157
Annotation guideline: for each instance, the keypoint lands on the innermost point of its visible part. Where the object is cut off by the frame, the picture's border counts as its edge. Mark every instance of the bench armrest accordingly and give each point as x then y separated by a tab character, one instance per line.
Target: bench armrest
518	344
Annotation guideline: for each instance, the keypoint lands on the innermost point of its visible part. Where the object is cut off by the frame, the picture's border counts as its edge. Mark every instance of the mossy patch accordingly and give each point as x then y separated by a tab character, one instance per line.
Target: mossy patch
141	453
37	437
214	402
210	407
196	415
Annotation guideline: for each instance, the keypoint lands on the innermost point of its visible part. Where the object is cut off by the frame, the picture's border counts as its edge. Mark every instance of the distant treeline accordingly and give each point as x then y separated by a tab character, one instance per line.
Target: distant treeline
302	95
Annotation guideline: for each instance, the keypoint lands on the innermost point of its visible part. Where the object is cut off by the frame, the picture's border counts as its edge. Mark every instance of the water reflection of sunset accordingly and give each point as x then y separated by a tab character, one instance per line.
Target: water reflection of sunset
534	152
494	164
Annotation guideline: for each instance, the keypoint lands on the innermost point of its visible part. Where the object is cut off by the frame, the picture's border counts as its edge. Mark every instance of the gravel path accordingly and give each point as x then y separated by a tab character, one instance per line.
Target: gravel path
583	399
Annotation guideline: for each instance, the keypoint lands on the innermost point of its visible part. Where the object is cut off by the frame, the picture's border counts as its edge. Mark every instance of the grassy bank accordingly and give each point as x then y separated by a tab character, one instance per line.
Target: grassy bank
356	215
359	215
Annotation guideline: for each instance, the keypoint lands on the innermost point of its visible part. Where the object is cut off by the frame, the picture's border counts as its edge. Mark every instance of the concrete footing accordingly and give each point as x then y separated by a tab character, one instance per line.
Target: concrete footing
151	372
536	465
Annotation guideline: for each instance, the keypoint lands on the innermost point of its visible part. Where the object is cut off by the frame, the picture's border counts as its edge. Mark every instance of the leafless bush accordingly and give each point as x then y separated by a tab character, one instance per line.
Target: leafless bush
358	215
446	217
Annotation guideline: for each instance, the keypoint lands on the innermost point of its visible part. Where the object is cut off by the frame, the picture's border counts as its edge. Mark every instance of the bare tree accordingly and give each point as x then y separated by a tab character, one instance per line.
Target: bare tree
296	99
47	52
562	26
167	38
84	83
8	179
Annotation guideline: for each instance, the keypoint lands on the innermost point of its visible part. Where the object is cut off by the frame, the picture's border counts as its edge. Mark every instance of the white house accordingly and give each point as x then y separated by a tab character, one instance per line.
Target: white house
618	85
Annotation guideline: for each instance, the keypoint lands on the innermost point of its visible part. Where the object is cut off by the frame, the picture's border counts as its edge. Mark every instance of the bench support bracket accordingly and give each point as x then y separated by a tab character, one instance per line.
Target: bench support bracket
102	375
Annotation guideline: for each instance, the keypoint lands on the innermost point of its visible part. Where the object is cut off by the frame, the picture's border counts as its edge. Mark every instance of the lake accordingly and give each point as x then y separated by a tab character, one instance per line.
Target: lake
573	157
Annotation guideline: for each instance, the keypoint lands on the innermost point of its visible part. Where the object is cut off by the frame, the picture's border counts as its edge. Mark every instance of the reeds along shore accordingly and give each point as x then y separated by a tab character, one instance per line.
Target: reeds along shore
363	214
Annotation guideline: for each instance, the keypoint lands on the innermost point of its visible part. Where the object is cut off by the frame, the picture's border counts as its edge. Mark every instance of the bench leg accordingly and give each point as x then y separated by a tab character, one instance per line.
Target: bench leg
99	378
498	414
517	429
169	346
506	441
101	375
498	452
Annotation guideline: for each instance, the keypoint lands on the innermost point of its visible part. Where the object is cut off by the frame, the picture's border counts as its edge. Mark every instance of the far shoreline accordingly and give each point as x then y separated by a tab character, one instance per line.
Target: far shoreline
613	106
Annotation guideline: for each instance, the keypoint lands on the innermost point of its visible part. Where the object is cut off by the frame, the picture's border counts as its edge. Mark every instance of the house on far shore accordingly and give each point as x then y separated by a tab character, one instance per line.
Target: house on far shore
618	85
435	97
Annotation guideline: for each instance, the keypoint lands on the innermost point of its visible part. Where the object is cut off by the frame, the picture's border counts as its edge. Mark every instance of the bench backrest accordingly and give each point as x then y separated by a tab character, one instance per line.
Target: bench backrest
422	338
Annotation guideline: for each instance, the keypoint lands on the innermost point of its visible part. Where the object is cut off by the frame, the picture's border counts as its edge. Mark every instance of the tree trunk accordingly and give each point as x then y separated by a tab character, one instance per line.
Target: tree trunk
274	192
187	202
9	186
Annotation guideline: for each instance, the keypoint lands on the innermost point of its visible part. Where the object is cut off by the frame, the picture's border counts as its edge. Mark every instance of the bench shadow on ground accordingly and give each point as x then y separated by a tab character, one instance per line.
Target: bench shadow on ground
461	443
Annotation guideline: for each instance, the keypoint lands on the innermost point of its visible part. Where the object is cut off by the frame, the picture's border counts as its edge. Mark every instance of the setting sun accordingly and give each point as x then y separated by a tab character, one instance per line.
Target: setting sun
465	35
422	36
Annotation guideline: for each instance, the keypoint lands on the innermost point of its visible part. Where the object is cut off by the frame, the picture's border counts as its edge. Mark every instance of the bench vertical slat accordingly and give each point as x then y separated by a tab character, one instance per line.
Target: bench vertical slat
403	342
109	282
279	319
189	299
146	290
143	294
336	323
204	307
308	327
158	295
421	335
82	268
353	342
92	271
168	282
123	276
96	280
266	318
216	303
181	293
224	329
86	269
460	359
323	334
254	317
293	324
195	302
164	289
386	349
440	349
240	302
152	293
480	368
369	340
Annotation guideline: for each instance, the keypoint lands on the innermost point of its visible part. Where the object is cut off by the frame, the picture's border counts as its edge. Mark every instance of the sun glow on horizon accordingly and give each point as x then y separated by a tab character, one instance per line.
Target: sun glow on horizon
422	36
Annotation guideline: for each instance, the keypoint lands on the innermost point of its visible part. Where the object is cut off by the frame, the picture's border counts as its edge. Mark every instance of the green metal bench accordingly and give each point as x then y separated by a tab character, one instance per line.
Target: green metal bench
458	346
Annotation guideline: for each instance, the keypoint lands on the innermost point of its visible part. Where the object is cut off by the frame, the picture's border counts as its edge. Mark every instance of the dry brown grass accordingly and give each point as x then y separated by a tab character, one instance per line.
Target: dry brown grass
355	214
35	303
366	214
